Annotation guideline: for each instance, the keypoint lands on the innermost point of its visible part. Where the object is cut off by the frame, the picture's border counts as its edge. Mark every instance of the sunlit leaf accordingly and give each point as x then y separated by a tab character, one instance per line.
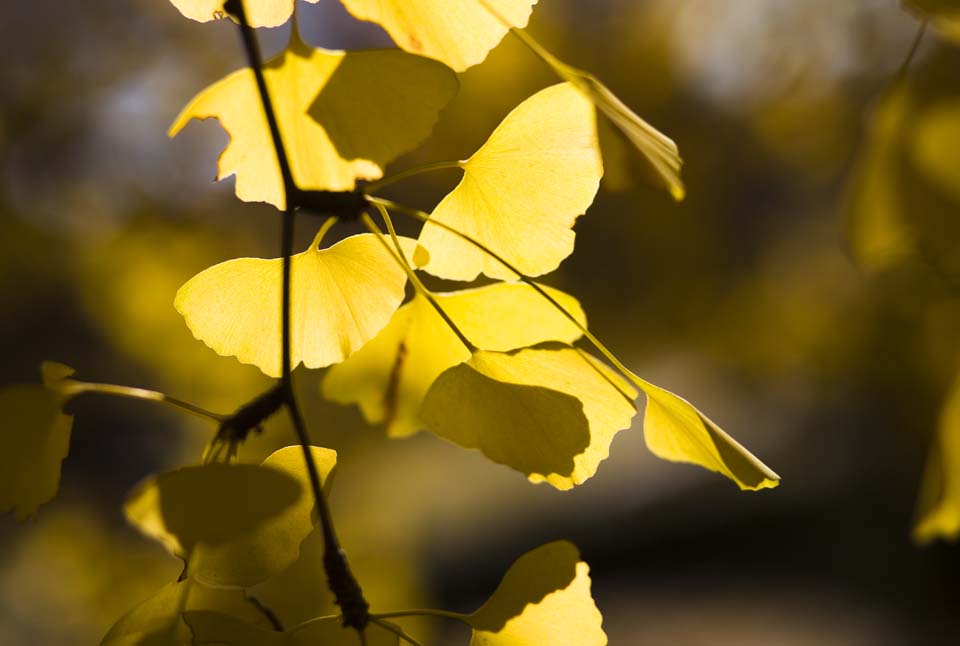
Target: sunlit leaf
877	232
544	598
219	628
34	440
938	508
341	296
260	13
458	33
933	145
212	503
548	413
389	376
365	108
674	430
274	545
158	622
521	192
944	14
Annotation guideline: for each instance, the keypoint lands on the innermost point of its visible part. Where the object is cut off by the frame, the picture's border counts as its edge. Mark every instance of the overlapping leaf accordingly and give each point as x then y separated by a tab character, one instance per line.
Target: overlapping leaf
546	412
341	297
458	33
34	440
521	192
220	628
938	508
544	598
390	375
365	108
260	13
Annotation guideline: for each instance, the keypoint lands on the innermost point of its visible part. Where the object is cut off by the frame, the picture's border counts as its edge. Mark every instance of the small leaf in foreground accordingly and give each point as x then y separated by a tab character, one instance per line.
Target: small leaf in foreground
544	598
260	13
390	376
341	297
522	192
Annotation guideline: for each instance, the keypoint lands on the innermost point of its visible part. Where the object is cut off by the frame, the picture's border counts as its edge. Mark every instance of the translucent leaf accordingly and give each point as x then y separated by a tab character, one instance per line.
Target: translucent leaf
548	413
458	33
674	430
944	14
34	440
260	13
521	192
938	508
219	628
365	109
274	545
157	621
933	145
211	504
544	598
341	296
390	376
877	232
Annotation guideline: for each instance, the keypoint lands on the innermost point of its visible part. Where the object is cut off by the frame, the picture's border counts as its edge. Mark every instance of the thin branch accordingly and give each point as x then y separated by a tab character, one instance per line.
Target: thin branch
912	52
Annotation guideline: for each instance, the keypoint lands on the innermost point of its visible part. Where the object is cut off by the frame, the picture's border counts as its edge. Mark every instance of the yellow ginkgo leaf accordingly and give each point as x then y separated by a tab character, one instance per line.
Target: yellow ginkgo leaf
260	13
877	232
544	598
212	504
158	622
933	146
331	136
34	440
341	297
938	507
458	33
274	545
674	430
389	376
548	413
220	628
521	192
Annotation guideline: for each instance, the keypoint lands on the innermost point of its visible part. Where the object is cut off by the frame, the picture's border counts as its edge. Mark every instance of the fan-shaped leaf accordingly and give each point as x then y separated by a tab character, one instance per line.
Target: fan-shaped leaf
344	137
341	296
260	13
458	33
219	628
548	413
389	376
521	192
544	598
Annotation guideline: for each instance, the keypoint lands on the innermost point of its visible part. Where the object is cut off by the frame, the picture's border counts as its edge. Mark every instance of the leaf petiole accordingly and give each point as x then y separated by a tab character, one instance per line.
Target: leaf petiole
74	388
411	172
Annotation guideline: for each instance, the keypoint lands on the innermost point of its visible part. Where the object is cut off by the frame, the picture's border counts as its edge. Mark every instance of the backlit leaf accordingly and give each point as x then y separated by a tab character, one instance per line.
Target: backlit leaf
260	13
938	508
365	108
341	297
458	33
158	622
544	598
213	503
34	440
219	628
548	413
389	376
274	545
521	192
674	430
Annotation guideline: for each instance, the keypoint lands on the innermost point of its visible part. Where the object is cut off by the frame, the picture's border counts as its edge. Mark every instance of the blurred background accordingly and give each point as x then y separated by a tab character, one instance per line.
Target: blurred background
821	338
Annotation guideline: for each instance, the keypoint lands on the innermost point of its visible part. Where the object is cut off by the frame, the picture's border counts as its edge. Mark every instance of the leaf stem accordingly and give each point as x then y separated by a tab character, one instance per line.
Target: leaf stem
115	390
423	612
396	630
411	172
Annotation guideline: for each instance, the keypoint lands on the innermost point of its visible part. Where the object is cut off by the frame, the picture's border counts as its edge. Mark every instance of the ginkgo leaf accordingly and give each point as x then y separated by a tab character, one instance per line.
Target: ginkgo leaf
390	375
544	598
365	108
274	545
876	229
674	430
260	13
521	192
213	503
548	413
933	145
220	628
938	507
158	622
341	297
34	440
458	33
